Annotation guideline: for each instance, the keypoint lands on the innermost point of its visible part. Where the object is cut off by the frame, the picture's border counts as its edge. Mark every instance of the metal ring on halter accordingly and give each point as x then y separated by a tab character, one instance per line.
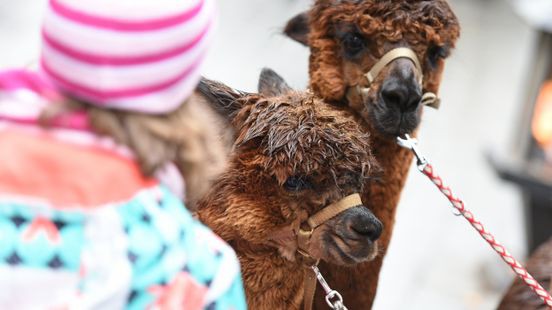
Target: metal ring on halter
303	238
334	294
431	100
306	232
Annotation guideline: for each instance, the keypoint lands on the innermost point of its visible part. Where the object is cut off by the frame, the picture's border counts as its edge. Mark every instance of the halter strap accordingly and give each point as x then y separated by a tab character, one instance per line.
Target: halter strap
334	209
392	55
310	288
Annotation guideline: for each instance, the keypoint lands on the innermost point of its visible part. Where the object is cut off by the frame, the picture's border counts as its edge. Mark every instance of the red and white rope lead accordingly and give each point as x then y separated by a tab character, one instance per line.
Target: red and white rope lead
516	266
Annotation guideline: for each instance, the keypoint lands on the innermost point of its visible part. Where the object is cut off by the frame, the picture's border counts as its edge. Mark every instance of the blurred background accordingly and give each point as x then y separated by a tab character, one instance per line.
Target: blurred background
435	260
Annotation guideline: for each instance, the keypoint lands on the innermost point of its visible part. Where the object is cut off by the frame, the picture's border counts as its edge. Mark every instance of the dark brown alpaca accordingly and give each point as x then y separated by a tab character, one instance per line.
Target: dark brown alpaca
346	39
293	156
520	296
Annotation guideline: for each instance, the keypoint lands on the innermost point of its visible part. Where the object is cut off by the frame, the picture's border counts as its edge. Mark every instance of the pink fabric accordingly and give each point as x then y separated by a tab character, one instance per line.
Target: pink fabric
81	170
14	82
122	61
116	43
183	292
124	25
105	96
127	74
75	120
11	80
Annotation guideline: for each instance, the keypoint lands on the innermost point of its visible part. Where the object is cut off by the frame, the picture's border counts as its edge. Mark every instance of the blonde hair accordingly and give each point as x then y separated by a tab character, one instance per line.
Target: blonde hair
193	137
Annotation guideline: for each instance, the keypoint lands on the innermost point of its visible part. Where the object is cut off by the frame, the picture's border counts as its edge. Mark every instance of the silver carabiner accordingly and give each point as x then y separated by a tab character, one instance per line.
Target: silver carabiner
321	279
412	144
337	304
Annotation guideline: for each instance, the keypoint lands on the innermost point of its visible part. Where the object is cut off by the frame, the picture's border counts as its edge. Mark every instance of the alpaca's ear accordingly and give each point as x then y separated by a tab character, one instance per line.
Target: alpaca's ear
298	29
223	99
271	84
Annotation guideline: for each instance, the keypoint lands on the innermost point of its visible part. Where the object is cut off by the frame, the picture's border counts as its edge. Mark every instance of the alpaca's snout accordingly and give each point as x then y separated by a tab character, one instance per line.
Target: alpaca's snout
352	238
361	223
398	100
401	88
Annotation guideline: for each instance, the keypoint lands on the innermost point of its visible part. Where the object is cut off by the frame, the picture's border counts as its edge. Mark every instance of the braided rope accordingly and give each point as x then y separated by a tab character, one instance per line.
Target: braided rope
516	266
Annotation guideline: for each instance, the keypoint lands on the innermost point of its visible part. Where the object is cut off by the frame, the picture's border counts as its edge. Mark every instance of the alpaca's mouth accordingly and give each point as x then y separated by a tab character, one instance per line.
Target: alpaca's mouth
393	122
348	251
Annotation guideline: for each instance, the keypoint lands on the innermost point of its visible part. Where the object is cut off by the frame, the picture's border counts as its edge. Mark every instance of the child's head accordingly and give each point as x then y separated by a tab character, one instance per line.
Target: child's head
134	65
139	55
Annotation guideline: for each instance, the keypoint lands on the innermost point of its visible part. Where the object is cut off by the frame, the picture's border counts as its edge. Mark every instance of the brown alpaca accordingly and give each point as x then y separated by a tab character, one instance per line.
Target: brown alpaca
193	137
293	156
520	296
346	39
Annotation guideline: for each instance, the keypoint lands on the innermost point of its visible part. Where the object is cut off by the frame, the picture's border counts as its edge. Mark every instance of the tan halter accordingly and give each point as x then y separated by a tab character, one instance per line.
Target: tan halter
303	240
299	233
428	98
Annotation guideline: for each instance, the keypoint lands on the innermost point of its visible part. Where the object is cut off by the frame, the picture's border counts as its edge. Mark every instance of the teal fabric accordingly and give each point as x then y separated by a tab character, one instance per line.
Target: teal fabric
157	244
40	250
163	243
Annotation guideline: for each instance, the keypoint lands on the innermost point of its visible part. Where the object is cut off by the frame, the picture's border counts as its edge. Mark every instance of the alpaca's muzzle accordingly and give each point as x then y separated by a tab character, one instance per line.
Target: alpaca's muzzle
308	227
430	99
298	236
304	236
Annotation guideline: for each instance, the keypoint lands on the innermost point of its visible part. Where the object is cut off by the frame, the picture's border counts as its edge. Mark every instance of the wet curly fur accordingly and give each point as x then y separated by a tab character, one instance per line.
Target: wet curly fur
193	137
519	296
293	135
431	29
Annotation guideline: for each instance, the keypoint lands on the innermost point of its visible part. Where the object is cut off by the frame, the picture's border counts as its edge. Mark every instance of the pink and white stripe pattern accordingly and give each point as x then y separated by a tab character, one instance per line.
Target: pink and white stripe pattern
25	94
141	55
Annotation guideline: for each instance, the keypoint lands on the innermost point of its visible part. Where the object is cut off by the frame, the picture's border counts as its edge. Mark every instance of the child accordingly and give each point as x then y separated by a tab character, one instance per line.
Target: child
90	205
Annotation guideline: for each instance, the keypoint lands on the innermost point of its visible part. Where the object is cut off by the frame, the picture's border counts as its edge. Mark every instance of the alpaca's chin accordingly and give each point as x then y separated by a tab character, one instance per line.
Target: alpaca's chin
373	253
393	122
349	255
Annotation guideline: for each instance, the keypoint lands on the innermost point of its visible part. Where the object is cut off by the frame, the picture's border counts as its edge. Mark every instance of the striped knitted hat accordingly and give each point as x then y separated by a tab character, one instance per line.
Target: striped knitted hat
140	55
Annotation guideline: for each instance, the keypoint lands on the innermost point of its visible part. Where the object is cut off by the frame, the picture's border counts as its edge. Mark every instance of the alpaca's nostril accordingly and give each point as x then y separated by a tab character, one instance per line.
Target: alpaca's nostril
370	228
414	99
393	96
405	97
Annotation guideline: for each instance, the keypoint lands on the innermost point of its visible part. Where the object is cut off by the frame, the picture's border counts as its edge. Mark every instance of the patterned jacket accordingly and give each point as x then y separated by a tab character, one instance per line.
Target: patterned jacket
82	228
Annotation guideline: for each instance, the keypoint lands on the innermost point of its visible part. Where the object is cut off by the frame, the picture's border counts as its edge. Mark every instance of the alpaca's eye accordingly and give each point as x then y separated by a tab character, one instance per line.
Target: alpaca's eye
296	183
353	44
435	53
